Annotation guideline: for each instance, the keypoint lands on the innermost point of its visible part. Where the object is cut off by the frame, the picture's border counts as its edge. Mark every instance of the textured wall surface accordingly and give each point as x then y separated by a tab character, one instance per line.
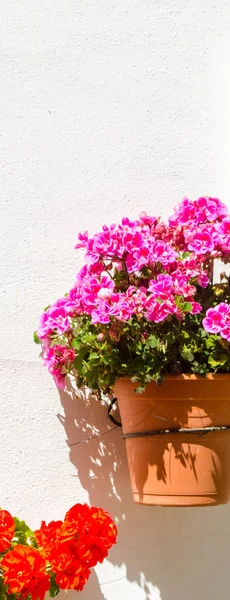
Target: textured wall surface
108	107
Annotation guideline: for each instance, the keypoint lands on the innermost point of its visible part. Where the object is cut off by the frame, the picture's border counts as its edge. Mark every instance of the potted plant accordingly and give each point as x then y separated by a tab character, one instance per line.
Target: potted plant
56	556
145	319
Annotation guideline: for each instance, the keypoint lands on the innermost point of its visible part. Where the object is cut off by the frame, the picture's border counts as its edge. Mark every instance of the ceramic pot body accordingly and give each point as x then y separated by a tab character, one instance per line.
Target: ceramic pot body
178	469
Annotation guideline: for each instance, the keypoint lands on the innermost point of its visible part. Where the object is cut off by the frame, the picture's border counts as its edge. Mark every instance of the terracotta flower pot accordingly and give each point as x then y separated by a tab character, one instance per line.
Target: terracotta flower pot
178	469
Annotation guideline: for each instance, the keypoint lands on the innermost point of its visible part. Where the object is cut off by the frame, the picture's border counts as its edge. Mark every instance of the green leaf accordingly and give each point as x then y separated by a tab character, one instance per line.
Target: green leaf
203	333
210	342
178	300
139	347
54	588
23	534
36	338
152	341
218	360
199	368
75	343
93	356
187	354
83	352
140	389
187	306
185	335
3	590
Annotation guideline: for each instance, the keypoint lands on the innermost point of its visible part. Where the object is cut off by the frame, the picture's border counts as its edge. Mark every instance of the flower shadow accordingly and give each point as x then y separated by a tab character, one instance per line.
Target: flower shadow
97	451
151	540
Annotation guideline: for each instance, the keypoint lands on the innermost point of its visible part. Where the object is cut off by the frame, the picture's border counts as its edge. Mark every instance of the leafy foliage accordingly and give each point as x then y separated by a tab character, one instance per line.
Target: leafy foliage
144	304
3	590
146	351
23	534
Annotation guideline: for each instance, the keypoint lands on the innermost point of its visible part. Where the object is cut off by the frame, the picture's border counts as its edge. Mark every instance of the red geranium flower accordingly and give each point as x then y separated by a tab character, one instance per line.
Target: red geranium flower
105	526
48	535
77	519
91	550
7	528
64	560
62	556
37	588
25	572
73	579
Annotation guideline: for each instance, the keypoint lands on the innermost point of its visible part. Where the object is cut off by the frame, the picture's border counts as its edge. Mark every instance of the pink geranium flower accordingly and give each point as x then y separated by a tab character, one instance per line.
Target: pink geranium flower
159	312
101	313
224	227
200	242
57	359
199	211
209	209
216	318
54	319
162	286
83	239
138	259
203	280
185	213
196	308
163	253
58	319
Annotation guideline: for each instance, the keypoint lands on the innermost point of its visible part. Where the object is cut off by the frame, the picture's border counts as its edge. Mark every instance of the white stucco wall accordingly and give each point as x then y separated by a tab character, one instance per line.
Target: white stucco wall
108	107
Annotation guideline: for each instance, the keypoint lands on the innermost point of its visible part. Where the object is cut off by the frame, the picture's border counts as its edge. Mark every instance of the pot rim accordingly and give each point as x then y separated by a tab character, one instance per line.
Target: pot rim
186	377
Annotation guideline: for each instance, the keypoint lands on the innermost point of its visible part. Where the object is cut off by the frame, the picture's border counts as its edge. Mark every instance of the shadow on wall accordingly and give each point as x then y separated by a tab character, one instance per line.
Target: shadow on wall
163	553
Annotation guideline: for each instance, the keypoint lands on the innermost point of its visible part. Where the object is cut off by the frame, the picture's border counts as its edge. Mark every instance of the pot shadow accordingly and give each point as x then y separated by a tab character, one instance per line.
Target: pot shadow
150	539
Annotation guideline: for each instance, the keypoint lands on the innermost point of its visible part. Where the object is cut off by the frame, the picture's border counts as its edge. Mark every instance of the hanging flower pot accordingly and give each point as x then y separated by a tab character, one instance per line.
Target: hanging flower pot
178	440
145	320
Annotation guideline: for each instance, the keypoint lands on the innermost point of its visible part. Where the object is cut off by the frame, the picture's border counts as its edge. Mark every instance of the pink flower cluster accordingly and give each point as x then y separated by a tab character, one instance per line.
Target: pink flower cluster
217	320
98	297
57	359
202	226
136	243
140	268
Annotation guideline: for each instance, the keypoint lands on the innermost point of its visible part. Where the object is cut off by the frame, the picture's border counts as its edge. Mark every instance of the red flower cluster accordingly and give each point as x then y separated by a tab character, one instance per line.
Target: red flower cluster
66	551
25	572
78	543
